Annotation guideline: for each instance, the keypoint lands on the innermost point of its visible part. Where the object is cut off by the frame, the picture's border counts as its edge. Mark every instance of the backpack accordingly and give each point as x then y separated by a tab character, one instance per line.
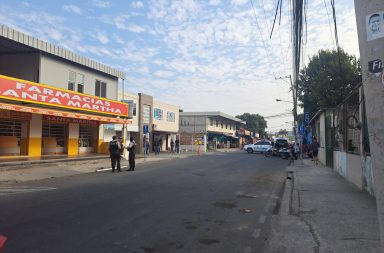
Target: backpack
113	147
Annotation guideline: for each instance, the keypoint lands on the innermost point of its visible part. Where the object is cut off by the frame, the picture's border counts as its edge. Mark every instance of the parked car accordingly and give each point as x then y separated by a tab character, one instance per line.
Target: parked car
260	146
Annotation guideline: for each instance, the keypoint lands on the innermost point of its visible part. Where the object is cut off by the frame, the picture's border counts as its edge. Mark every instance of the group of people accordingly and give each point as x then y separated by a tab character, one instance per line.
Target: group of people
116	148
174	146
294	151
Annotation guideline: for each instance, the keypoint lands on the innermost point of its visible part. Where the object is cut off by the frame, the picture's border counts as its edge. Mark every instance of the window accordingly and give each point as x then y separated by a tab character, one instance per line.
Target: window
158	114
146	114
211	122
76	82
217	123
72	80
100	89
226	125
80	82
222	125
170	116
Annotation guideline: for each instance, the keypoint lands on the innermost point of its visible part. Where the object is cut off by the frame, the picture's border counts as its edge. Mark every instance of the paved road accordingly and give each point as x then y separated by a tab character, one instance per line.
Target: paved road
213	203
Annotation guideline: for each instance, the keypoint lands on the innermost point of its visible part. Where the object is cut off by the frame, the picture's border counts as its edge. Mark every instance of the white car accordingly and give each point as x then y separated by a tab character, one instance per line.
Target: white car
260	146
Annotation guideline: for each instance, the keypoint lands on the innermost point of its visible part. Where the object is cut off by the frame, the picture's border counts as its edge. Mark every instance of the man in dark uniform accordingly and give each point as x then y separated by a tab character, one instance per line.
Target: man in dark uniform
132	153
115	153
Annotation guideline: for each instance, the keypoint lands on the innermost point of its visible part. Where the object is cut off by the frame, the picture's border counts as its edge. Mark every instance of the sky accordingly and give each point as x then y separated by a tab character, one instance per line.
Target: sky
201	55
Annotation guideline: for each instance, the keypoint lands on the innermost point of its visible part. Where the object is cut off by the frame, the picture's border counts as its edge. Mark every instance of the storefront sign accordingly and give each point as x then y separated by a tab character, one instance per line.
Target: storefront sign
101	119
15	115
21	90
69	120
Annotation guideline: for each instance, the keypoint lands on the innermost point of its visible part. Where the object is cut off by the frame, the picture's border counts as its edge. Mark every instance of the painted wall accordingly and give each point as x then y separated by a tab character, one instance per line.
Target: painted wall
35	133
193	124
22	66
230	128
164	124
55	72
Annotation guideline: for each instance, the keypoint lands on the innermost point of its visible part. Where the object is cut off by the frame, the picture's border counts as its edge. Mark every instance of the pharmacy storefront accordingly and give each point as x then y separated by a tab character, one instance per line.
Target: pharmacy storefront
38	120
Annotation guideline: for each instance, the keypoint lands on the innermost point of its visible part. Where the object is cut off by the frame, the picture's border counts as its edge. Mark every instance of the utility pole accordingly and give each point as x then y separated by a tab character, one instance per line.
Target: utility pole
369	19
294	98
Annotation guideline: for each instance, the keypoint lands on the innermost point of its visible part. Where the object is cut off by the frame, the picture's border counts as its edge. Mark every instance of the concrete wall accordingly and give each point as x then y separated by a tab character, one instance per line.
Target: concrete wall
22	66
55	72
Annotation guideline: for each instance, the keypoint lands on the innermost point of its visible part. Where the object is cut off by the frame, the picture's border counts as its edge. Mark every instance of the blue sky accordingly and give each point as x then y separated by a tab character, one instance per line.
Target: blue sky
208	55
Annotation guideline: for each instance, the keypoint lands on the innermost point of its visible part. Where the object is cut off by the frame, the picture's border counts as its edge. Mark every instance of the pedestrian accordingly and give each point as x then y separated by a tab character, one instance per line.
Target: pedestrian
121	145
156	146
147	146
291	157
161	144
172	145
132	153
297	150
115	153
177	146
315	150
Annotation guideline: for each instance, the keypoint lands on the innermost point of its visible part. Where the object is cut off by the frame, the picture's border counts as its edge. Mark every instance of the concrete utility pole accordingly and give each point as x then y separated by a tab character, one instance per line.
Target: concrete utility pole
370	21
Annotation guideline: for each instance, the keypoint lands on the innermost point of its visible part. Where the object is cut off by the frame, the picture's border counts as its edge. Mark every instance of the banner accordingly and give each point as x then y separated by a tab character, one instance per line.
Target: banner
25	91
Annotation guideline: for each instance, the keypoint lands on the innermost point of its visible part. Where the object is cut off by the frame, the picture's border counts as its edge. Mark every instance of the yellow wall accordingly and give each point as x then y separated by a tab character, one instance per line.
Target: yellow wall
73	139
34	139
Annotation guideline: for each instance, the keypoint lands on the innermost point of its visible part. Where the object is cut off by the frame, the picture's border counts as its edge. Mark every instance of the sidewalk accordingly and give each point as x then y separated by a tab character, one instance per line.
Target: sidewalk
322	212
22	171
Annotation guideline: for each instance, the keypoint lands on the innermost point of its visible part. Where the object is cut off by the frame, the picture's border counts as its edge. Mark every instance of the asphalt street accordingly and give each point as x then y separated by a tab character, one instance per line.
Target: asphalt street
213	203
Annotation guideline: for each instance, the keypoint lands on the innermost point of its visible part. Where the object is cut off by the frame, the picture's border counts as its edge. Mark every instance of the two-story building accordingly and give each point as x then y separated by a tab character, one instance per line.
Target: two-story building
53	101
152	119
210	130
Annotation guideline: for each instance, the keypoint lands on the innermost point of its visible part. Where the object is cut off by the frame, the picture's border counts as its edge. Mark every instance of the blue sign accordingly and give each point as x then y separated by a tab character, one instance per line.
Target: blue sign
145	129
306	117
302	129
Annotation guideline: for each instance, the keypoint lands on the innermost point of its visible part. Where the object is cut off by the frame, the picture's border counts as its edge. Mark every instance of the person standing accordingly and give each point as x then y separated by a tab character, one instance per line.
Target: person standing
156	146
315	150
177	146
115	153
172	145
132	153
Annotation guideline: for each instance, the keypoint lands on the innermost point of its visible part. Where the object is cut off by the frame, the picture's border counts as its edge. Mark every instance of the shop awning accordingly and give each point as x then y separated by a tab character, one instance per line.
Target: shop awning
63	114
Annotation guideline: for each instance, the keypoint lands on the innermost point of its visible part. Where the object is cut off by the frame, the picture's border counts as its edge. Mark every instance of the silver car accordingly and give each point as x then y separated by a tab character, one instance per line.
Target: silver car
260	146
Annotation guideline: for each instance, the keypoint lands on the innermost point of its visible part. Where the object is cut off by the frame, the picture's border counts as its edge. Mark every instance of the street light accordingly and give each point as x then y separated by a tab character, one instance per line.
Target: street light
280	100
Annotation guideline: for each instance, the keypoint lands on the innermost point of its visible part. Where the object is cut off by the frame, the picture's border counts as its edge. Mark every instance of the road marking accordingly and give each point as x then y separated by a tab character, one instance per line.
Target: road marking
262	219
8	190
256	233
106	169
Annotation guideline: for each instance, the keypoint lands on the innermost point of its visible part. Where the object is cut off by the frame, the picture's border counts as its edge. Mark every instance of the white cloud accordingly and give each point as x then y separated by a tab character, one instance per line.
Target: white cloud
239	2
137	4
118	39
163	74
72	8
135	28
214	2
100	3
101	37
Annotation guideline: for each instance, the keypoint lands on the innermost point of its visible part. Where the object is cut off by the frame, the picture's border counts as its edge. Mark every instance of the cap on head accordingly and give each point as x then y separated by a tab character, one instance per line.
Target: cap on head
131	139
114	137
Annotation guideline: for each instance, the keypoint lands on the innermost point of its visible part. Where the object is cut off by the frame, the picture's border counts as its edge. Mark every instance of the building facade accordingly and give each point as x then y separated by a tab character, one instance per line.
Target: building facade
211	130
53	101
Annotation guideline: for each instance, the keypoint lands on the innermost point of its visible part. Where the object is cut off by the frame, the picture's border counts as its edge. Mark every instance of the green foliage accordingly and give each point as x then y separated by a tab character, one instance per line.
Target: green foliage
325	82
255	122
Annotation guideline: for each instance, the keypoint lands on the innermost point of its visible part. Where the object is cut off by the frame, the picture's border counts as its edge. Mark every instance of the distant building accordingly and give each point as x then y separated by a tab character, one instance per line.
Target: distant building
211	130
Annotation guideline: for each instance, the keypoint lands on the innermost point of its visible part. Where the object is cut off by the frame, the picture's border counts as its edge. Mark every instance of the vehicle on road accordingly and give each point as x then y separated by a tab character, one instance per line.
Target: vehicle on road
260	147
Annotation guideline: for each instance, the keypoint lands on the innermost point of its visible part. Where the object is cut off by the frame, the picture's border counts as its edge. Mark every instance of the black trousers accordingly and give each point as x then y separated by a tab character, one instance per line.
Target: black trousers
131	161
115	162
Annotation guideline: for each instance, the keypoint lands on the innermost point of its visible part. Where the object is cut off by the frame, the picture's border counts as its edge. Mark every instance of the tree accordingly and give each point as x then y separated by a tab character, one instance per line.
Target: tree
283	132
254	122
328	78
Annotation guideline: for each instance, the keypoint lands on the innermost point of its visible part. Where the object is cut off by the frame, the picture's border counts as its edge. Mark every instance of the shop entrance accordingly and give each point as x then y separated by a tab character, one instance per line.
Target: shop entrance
54	139
13	132
88	139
